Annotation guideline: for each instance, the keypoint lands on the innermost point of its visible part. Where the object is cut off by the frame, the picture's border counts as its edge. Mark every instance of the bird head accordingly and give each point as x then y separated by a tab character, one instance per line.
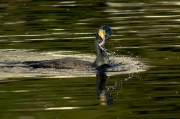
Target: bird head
104	32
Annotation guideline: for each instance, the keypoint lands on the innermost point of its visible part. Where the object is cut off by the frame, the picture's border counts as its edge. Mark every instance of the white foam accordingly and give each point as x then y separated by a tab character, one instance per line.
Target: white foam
11	64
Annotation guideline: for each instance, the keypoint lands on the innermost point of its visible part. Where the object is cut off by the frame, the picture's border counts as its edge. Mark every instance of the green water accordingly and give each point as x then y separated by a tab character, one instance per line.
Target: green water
148	30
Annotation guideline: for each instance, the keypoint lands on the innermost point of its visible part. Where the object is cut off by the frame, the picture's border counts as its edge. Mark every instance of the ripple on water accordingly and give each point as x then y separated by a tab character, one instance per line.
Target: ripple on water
11	64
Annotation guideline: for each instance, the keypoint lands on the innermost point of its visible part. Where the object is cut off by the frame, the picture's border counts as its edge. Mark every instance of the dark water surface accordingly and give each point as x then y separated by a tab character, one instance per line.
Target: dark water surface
149	30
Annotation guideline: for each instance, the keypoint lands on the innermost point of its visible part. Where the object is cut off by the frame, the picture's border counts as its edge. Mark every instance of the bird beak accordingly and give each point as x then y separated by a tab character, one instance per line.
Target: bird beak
102	34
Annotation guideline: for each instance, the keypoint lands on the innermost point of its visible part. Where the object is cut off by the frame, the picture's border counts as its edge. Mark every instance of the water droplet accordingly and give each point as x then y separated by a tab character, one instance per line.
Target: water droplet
125	79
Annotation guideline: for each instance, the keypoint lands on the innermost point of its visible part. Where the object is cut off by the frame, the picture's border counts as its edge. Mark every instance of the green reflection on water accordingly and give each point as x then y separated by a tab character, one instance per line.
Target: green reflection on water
136	96
149	30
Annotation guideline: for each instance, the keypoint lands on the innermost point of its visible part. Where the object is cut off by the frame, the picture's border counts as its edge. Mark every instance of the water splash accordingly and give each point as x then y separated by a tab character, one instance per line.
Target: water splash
11	64
122	63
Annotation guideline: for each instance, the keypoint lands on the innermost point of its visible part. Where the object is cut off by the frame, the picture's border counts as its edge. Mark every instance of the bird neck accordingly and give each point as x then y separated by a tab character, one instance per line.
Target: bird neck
101	55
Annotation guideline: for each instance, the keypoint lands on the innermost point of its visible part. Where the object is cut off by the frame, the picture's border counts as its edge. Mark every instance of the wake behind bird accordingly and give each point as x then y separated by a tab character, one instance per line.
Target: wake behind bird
14	63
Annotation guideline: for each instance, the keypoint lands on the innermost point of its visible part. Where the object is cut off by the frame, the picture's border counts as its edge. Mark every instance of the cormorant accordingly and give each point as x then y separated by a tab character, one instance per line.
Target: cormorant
101	62
102	35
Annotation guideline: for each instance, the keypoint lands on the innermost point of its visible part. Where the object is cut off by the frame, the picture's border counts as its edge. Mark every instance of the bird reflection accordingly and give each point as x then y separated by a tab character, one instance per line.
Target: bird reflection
104	96
102	90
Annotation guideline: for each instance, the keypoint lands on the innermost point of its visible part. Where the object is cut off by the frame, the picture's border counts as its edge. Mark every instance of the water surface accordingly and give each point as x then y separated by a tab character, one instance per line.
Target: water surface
145	30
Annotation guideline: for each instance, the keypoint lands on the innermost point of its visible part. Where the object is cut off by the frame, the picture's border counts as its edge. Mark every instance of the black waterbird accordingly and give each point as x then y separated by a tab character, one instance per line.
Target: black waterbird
101	62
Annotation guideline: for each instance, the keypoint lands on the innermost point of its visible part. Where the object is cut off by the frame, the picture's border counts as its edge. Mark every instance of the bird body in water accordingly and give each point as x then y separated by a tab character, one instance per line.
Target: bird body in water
102	59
